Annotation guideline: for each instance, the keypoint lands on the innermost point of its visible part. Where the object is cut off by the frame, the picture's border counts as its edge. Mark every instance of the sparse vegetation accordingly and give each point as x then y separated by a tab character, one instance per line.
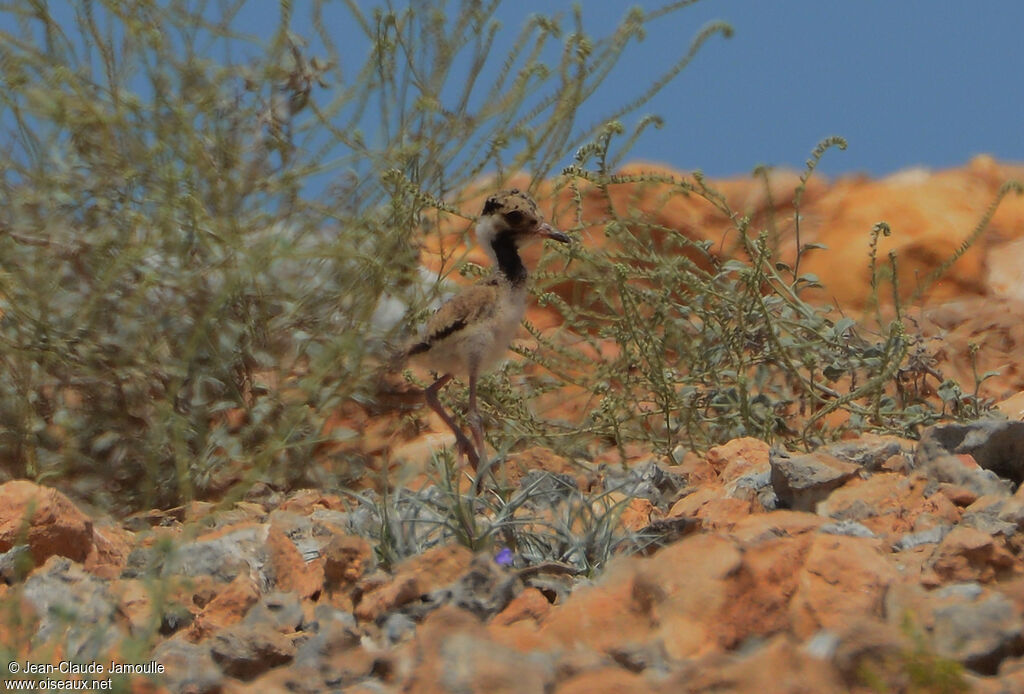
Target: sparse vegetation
203	255
197	249
195	245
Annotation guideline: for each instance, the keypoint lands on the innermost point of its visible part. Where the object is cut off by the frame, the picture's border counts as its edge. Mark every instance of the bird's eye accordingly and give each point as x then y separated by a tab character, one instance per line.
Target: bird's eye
514	218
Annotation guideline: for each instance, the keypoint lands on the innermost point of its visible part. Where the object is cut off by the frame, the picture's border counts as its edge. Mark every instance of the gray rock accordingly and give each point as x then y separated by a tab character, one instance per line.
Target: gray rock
971	590
246	652
997	445
979	633
335	631
398	627
753	485
800	482
1012	511
869	453
855	511
322	517
985	515
75	607
242	550
470	665
949	468
278	611
15	564
188	667
292	524
930	536
846	527
822	645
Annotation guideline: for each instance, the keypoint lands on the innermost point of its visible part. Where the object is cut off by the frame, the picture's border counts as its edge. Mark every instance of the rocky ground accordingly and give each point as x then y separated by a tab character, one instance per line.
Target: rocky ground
875	564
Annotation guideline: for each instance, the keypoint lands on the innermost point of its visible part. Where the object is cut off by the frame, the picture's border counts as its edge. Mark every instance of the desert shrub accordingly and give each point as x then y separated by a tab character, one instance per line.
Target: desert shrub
710	346
200	252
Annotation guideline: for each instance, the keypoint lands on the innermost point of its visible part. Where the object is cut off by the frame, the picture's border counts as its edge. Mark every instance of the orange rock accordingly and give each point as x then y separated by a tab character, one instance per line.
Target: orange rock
305	501
1013	406
691	504
889	504
968	554
415	576
843	578
1005	265
724	514
227	608
779	666
673	596
108	555
764	526
44	519
528	605
608	680
930	215
290	571
759	592
637	514
738	457
346	558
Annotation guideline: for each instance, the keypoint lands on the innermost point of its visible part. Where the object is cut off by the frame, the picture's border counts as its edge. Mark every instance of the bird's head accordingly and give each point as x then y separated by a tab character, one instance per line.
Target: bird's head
513	215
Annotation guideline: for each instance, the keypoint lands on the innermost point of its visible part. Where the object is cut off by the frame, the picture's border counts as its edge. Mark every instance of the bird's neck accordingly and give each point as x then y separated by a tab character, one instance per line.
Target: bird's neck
506	257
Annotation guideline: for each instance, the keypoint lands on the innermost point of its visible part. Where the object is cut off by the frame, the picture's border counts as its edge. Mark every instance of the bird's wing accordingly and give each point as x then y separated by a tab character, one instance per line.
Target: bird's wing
468	307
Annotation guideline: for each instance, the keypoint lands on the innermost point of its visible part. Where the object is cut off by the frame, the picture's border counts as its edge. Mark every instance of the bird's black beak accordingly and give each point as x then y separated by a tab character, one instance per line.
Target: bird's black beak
549	232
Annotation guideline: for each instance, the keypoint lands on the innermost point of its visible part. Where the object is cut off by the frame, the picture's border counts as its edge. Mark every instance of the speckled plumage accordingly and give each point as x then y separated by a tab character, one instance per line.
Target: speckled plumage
473	329
470	332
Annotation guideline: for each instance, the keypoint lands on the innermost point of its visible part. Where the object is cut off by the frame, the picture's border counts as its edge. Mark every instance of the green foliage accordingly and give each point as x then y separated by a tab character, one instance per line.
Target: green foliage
189	236
708	348
547	519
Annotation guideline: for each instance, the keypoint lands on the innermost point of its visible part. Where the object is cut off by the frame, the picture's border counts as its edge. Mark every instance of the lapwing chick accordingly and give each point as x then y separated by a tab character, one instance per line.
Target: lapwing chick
470	332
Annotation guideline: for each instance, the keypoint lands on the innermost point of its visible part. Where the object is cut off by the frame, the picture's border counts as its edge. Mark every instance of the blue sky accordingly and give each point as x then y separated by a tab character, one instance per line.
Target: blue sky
906	82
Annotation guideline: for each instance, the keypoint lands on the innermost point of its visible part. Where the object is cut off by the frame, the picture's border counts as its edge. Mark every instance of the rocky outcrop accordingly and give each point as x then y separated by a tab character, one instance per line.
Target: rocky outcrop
857	563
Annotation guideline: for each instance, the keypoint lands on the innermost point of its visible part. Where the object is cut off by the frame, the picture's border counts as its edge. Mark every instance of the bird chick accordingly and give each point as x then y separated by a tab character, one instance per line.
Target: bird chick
471	331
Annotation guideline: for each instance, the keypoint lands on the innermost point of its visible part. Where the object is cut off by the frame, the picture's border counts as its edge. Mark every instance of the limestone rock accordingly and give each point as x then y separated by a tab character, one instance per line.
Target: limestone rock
800	482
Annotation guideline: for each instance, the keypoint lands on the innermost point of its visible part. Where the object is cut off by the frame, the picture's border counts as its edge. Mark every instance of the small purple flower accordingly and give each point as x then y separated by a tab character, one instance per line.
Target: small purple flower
504	557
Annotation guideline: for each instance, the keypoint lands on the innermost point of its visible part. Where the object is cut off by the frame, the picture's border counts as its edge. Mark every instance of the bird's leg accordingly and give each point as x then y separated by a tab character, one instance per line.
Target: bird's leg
476	426
473	416
465	447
